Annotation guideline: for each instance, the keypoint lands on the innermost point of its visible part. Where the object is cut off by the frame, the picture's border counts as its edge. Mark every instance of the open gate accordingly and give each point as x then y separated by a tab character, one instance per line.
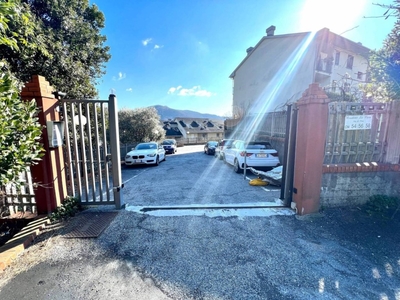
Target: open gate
289	155
92	152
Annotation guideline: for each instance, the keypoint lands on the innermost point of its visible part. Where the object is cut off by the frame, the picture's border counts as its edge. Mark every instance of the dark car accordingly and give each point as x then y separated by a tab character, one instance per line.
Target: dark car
210	147
170	146
222	146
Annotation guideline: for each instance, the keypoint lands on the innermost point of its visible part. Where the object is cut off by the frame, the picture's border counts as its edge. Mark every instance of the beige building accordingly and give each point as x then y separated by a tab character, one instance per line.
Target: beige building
280	68
194	130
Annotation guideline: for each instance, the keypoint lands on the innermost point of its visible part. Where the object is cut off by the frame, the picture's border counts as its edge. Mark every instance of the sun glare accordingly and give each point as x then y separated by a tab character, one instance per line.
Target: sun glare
339	16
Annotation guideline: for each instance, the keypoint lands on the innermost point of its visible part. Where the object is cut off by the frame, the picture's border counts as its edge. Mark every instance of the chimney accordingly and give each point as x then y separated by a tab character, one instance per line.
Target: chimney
270	30
248	50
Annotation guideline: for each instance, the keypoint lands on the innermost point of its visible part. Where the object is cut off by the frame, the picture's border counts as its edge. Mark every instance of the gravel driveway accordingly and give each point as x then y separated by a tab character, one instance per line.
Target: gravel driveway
337	254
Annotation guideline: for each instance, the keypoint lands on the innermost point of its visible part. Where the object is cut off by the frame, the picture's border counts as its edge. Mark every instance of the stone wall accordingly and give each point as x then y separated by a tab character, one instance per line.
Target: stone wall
353	184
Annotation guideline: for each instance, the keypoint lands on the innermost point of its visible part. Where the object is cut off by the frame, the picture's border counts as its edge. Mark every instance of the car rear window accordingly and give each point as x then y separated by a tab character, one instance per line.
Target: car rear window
259	145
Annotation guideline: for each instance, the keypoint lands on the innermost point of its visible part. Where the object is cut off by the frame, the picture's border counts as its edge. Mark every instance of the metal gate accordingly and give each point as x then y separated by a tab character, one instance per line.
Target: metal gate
289	155
93	161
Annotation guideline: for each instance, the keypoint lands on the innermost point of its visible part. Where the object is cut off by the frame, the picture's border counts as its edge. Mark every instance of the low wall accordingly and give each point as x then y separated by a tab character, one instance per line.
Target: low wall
353	184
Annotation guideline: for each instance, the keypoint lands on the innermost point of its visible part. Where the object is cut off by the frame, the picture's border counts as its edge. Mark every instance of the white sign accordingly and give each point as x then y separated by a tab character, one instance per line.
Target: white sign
360	122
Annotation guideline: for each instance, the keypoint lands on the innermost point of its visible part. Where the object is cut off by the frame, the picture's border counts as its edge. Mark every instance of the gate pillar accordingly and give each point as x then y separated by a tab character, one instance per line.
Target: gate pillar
49	173
312	124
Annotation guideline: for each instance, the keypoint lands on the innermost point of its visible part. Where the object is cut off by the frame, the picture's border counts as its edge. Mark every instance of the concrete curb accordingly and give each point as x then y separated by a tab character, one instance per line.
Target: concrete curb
10	250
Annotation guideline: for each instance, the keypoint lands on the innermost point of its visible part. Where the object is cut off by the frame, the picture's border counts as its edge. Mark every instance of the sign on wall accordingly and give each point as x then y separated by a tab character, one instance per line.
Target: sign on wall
359	122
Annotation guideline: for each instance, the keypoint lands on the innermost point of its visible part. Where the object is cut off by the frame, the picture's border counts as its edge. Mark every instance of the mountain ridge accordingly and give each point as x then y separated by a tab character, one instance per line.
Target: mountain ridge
167	113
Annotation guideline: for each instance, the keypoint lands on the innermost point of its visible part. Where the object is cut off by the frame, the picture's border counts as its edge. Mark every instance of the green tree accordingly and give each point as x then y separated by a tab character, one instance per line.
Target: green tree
20	130
385	62
140	125
74	56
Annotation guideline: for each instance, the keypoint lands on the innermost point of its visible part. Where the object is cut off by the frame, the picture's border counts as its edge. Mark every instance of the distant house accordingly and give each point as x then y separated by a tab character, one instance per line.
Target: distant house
280	68
194	130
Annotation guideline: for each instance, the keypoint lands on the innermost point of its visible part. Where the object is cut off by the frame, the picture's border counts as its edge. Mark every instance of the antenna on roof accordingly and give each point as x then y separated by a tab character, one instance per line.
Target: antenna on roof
349	29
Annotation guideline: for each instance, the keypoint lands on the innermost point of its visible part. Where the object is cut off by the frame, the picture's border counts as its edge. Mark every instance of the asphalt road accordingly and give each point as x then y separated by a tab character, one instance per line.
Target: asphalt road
338	254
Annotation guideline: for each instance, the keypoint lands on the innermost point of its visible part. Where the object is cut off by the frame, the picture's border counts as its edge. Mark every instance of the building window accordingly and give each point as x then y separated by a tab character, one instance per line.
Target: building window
334	85
350	60
217	134
337	58
346	87
359	75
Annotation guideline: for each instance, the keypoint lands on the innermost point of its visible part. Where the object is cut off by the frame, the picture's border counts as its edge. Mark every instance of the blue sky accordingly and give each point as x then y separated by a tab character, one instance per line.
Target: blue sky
180	53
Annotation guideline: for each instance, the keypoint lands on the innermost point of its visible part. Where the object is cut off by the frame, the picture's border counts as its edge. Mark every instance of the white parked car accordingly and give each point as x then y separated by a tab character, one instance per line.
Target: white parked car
145	154
258	155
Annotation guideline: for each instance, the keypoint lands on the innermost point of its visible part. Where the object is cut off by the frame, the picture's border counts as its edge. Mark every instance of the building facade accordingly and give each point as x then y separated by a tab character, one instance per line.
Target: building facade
279	68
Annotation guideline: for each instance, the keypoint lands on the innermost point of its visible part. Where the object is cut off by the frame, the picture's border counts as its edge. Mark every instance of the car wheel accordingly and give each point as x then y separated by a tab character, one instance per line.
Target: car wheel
223	158
157	160
236	167
165	157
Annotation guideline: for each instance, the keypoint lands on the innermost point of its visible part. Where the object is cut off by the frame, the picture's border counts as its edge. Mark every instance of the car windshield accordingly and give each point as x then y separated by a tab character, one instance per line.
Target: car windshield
212	143
146	146
168	142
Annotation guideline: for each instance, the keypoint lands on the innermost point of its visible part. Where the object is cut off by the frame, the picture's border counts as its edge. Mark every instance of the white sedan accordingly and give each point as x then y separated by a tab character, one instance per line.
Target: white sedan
254	154
145	154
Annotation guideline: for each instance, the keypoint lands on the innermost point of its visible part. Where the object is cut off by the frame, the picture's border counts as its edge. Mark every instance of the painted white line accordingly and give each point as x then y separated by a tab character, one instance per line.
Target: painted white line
212	213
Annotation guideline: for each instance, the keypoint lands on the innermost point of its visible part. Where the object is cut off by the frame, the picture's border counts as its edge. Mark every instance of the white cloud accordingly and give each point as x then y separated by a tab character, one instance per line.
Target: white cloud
158	46
171	90
120	76
194	91
146	41
129	90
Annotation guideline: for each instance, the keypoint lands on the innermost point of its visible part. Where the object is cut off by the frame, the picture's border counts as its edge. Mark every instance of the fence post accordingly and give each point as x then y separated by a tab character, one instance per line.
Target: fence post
312	123
393	137
115	151
49	173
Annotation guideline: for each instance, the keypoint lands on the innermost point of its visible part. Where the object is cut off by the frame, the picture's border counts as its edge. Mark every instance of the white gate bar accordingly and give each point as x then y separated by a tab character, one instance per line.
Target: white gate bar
83	151
69	154
91	164
115	151
105	152
76	154
98	154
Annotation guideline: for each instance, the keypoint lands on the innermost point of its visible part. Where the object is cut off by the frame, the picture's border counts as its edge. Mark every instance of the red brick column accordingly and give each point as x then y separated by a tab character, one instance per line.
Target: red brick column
312	123
49	174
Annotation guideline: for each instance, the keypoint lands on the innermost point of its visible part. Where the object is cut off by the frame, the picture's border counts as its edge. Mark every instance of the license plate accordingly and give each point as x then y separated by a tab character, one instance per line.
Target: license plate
138	160
261	155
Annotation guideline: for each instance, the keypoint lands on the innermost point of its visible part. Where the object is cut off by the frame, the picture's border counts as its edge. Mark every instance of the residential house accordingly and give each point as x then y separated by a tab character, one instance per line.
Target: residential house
194	130
280	68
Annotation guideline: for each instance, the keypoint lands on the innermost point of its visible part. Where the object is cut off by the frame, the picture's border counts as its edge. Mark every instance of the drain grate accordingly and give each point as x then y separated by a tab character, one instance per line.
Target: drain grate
89	225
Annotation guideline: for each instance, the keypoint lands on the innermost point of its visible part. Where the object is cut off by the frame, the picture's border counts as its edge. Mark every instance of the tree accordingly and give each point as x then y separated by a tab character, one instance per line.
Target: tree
74	54
140	125
20	130
385	62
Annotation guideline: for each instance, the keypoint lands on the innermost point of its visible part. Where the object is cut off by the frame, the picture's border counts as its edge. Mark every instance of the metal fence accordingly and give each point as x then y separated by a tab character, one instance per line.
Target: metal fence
268	125
18	200
93	162
356	132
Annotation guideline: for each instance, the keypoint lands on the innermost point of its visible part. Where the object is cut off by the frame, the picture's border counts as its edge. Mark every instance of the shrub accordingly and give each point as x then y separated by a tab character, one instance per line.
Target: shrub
68	209
382	205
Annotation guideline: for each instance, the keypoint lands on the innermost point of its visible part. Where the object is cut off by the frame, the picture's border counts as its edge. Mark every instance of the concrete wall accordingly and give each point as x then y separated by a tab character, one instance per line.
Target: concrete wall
355	187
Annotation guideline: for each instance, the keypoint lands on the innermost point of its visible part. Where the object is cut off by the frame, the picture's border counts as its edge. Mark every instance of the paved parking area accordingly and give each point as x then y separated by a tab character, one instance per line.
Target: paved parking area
337	254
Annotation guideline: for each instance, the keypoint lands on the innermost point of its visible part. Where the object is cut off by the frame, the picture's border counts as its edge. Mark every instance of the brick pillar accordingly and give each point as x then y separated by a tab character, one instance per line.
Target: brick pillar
49	173
312	123
393	137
